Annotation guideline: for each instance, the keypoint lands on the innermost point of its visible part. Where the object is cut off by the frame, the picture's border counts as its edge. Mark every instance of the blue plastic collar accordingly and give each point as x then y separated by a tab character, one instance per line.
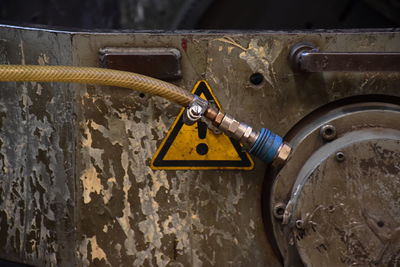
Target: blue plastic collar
266	146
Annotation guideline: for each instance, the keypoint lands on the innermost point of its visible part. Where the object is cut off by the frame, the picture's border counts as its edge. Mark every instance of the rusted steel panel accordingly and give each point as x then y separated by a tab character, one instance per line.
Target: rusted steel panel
128	214
37	188
194	218
155	218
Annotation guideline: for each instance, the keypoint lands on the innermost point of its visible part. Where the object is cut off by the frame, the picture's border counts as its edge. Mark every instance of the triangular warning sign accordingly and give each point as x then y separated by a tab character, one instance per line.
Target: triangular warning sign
196	147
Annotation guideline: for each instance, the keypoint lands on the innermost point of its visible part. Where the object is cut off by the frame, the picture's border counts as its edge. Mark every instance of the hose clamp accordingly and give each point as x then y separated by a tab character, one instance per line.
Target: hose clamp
195	110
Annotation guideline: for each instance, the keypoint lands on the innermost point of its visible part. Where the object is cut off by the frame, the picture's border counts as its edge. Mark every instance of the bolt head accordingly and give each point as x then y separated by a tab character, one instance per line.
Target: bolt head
282	156
328	132
279	210
218	119
196	110
299	224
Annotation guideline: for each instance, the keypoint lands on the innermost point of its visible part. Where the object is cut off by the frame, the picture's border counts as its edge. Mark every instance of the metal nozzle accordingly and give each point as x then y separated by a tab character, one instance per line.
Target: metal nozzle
265	144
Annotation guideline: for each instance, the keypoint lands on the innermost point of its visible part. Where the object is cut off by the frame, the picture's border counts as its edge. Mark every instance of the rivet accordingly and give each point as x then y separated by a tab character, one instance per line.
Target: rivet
340	156
300	224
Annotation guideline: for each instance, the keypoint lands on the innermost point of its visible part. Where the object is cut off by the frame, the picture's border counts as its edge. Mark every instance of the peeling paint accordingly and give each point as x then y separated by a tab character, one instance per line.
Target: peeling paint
97	252
43	59
36	158
261	58
91	184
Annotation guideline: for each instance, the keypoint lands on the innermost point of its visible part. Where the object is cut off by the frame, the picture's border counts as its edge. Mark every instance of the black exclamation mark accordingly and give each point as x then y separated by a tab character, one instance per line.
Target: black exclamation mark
202	148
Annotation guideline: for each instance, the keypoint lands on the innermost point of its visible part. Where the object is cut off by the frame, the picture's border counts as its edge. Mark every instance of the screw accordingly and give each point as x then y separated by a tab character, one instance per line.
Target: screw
279	210
196	110
340	156
194	113
299	224
328	132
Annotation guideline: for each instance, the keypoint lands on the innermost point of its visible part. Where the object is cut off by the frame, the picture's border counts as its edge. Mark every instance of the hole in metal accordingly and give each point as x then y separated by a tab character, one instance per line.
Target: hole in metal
256	78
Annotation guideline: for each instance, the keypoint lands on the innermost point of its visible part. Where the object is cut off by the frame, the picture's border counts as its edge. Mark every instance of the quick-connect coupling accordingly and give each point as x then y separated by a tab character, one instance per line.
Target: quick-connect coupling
238	131
265	144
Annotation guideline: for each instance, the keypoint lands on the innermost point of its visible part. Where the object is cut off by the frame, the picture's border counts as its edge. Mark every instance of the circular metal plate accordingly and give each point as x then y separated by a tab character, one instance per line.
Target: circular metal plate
364	134
347	211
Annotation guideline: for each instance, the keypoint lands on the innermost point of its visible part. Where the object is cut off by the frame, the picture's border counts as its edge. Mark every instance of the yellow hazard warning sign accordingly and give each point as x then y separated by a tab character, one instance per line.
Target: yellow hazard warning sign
196	147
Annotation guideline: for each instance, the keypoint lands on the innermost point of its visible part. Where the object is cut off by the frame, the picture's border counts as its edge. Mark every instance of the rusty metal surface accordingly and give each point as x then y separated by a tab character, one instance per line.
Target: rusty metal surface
330	235
155	218
37	188
347	211
123	213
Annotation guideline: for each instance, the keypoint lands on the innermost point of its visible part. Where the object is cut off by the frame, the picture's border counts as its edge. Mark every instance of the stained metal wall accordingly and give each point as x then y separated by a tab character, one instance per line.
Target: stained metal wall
76	187
37	185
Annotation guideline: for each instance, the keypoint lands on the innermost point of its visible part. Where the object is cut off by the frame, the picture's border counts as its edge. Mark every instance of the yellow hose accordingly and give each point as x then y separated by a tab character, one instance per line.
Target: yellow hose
31	73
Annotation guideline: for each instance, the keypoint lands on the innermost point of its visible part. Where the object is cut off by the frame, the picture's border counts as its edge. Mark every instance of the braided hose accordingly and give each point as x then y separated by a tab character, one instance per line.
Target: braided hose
33	73
265	145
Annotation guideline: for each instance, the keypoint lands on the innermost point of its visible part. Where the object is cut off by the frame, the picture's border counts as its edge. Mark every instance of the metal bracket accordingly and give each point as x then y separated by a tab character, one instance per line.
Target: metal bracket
306	57
161	63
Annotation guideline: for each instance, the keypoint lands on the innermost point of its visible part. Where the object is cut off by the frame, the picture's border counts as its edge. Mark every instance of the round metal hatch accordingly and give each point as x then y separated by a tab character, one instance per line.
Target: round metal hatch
337	200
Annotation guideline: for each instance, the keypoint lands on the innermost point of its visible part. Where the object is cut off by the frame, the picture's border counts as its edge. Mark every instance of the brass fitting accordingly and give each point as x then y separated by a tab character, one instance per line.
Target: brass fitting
218	119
